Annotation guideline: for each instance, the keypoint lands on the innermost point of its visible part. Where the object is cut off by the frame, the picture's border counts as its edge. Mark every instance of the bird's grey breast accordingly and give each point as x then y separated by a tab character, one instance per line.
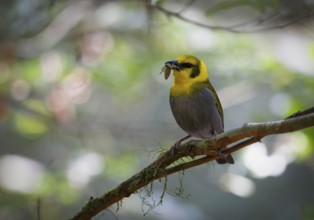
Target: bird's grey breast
197	114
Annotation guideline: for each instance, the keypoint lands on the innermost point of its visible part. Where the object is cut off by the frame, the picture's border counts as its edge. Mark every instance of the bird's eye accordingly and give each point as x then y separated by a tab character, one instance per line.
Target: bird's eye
186	65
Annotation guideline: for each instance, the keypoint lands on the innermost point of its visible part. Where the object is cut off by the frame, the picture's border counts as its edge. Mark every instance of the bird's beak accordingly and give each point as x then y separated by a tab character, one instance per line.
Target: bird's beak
173	64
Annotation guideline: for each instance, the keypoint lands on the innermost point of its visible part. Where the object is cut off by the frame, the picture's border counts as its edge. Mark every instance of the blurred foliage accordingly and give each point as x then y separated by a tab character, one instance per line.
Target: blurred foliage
82	102
261	6
308	213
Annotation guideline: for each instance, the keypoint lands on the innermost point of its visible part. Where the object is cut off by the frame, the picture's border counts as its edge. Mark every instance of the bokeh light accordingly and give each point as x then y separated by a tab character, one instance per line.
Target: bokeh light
20	174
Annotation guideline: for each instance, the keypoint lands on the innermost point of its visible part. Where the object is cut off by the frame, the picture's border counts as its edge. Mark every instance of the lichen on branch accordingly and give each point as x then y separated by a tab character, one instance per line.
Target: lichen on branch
206	150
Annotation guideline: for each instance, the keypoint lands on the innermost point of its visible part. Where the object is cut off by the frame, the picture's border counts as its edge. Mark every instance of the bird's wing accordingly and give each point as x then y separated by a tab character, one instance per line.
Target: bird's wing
217	101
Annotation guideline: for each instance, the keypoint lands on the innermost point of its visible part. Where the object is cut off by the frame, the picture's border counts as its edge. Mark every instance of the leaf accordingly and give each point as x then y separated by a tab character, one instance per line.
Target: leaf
225	6
259	5
37	106
159	2
262	6
29	126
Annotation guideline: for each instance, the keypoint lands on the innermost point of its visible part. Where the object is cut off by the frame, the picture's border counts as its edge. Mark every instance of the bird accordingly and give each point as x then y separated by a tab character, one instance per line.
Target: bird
194	102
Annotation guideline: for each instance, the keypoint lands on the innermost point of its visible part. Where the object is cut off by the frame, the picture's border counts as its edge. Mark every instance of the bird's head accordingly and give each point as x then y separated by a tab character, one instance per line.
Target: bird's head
186	69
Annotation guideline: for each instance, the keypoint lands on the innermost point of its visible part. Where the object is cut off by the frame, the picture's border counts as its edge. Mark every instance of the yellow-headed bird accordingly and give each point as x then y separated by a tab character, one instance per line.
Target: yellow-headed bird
194	102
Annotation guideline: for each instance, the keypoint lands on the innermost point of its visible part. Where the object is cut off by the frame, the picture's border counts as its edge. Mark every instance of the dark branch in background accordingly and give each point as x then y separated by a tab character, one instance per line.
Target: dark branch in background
259	24
186	6
179	16
208	151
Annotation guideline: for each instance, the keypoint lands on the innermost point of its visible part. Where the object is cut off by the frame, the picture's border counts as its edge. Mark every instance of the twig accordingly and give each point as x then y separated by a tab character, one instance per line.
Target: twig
235	28
179	16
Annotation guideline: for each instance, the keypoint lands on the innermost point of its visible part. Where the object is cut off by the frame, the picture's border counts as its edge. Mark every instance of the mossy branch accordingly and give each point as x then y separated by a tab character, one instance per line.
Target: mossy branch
208	150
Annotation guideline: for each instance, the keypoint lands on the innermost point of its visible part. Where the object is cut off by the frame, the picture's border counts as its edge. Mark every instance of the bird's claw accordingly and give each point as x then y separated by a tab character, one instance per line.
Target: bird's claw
175	147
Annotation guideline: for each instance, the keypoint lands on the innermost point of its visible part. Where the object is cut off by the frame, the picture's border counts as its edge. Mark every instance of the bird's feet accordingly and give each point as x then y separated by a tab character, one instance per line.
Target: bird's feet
176	145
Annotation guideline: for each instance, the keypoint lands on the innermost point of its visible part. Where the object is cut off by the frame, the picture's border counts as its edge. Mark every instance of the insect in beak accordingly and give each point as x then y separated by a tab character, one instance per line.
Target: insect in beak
170	65
166	70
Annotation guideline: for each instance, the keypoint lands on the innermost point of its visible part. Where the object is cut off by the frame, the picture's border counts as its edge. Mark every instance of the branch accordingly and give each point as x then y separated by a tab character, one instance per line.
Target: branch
208	150
179	16
236	28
